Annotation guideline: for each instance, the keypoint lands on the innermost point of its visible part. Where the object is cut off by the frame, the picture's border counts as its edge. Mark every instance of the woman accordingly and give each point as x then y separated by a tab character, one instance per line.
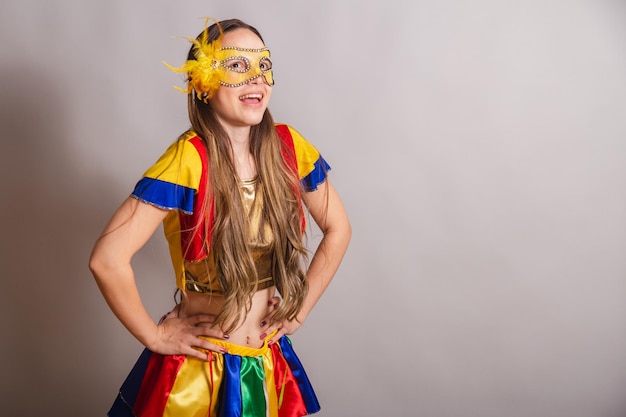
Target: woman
231	193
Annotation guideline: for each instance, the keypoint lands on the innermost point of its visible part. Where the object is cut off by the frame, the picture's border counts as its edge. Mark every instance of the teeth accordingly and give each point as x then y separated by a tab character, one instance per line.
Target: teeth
257	96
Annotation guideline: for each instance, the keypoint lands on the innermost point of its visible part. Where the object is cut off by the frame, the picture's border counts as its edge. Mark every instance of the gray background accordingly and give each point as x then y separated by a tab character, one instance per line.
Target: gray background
480	150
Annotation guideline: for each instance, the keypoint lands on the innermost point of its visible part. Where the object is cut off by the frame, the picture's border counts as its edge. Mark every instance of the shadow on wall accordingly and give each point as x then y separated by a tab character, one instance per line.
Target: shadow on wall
50	323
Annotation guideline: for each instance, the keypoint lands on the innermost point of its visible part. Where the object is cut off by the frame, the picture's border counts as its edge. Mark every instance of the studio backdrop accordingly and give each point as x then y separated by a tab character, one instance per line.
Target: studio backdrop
479	147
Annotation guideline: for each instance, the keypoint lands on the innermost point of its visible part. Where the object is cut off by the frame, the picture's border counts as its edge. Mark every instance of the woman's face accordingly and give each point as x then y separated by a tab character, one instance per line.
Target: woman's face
243	105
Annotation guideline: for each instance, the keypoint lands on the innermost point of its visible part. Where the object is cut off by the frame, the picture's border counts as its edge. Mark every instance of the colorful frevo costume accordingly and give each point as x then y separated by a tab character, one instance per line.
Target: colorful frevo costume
245	382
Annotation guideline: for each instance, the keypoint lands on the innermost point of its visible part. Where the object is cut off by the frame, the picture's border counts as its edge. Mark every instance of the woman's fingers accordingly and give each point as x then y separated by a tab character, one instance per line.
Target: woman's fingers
205	353
203	326
272	303
208	331
205	356
279	333
205	344
282	328
271	328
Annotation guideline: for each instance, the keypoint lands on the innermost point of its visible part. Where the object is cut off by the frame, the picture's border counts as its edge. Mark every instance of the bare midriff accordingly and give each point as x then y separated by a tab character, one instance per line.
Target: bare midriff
248	333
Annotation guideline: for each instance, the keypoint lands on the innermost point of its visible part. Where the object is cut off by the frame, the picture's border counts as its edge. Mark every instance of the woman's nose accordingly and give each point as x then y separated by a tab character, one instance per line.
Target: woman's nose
260	79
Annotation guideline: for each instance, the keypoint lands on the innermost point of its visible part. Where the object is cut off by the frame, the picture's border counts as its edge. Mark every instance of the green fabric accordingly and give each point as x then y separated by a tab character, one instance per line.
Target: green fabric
252	387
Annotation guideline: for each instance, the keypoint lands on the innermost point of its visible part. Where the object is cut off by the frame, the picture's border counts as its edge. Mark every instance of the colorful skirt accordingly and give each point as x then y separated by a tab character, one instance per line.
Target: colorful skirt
245	382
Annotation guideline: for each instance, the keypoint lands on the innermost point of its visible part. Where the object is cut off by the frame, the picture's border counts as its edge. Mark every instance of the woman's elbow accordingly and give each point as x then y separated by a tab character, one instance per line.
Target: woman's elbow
347	232
341	232
96	264
101	262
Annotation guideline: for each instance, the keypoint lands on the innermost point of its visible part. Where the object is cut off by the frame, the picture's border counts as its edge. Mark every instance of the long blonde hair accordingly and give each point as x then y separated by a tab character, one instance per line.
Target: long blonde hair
282	210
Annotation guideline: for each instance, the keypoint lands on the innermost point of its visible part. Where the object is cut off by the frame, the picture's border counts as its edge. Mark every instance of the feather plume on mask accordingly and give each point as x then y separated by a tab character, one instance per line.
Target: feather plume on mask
203	71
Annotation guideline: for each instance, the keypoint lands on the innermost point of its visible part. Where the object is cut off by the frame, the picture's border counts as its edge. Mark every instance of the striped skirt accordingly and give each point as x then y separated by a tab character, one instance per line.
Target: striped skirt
245	382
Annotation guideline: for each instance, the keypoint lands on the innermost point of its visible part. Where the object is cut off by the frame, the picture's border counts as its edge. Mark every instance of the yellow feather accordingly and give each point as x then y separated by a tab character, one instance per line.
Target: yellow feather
204	76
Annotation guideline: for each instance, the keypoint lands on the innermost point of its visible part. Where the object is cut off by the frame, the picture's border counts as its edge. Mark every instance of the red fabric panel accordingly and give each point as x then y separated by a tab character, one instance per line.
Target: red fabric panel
289	155
159	377
286	387
192	242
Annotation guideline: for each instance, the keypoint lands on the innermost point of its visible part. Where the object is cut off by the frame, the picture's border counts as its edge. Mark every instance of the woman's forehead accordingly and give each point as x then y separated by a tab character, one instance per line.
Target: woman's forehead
242	38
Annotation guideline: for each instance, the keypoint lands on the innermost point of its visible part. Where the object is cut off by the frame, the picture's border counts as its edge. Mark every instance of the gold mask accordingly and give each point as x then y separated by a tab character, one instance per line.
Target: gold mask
238	66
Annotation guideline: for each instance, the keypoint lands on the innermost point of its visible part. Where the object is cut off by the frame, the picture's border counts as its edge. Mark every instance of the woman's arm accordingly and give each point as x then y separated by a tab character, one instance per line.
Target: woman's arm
129	229
328	211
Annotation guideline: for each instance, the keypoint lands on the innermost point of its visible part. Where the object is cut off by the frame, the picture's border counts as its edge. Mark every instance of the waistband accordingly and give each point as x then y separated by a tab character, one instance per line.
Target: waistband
233	349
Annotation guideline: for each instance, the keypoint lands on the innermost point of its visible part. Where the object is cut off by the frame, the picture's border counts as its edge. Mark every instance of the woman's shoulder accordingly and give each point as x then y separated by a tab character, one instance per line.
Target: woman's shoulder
293	137
288	132
182	162
187	146
189	138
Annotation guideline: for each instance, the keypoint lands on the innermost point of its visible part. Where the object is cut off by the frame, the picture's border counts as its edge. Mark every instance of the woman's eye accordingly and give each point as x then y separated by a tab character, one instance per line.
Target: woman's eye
239	65
265	64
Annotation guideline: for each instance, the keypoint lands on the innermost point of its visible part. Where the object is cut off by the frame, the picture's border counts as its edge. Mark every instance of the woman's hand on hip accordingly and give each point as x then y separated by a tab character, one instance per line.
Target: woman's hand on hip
284	327
182	336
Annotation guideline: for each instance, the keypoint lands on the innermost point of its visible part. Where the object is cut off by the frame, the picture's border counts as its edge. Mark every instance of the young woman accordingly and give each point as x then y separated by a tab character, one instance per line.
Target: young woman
232	193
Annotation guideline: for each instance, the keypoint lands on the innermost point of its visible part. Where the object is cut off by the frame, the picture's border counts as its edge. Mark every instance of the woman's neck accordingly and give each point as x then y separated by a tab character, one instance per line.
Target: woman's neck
242	157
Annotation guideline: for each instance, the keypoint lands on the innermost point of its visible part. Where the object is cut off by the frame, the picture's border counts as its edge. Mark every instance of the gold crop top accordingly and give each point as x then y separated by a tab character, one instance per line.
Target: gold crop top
201	276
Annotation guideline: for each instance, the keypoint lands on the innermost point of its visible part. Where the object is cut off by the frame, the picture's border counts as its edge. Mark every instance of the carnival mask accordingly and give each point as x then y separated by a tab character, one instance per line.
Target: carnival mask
239	66
230	66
